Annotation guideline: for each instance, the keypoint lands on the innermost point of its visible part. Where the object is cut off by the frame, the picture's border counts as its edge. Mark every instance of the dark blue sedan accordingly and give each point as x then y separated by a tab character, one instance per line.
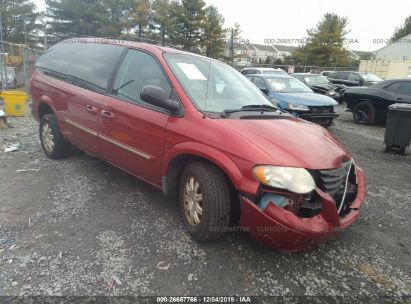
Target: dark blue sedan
293	96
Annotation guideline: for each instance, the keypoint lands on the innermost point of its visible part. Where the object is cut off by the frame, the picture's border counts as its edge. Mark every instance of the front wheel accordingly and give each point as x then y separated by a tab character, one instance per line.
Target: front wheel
204	201
364	113
52	140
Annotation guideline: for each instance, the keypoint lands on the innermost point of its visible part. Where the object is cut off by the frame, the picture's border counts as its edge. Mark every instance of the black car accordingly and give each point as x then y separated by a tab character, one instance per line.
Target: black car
370	104
353	79
320	84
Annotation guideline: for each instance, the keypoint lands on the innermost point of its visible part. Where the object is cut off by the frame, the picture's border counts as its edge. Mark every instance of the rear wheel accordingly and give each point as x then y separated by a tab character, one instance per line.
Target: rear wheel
364	113
52	140
204	201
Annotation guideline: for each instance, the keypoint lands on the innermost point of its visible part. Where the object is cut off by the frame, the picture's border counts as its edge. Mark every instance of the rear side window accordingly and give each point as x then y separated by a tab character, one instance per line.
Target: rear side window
248	72
138	70
405	88
91	63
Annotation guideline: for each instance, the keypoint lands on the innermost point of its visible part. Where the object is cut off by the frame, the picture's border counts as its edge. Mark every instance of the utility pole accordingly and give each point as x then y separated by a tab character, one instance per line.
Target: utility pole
3	73
306	60
232	46
45	36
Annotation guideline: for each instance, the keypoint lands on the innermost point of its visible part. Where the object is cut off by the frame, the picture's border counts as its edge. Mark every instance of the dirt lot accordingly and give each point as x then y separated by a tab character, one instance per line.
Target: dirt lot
71	227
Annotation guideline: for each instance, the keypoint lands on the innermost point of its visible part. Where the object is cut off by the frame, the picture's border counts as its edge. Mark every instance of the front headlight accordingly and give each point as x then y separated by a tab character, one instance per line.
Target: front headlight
332	93
297	107
297	180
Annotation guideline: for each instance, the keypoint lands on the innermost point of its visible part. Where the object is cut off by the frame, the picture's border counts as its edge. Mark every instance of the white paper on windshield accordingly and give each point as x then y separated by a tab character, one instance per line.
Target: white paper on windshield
278	86
191	71
307	79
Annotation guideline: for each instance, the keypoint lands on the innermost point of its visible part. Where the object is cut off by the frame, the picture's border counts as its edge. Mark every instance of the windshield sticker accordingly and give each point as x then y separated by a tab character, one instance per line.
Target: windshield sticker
191	71
307	79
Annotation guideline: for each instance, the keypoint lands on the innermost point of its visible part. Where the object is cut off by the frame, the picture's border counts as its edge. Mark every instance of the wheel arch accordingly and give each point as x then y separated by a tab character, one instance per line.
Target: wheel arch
43	106
179	156
44	109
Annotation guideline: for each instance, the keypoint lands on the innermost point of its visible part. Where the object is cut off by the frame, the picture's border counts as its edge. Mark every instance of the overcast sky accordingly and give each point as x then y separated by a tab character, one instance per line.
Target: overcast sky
289	19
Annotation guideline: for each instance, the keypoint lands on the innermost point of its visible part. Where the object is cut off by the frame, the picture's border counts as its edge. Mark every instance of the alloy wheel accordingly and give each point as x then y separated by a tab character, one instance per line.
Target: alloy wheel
193	201
47	137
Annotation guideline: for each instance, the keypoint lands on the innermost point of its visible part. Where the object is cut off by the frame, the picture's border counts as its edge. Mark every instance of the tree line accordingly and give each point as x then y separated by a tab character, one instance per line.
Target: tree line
188	24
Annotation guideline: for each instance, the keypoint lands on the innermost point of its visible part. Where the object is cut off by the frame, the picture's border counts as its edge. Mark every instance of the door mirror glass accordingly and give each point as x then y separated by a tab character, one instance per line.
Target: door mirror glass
156	96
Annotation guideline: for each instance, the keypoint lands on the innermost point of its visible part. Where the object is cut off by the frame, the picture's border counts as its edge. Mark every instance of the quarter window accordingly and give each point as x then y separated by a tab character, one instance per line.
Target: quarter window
138	70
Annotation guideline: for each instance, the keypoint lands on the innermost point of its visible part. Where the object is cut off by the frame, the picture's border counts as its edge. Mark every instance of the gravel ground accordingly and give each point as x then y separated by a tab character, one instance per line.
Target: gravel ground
73	227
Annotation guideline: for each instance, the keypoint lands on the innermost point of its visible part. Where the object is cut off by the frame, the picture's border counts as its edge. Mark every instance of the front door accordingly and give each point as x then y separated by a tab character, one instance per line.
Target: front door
132	132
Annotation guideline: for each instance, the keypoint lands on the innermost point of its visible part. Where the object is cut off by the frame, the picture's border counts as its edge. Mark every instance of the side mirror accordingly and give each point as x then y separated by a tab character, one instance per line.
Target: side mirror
157	96
265	91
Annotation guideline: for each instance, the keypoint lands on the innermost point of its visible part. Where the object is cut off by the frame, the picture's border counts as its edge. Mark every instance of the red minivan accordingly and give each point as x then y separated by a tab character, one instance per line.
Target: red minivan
200	131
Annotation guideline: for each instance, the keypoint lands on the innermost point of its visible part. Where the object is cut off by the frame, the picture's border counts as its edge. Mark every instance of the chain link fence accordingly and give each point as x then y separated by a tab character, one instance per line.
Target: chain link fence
16	65
296	68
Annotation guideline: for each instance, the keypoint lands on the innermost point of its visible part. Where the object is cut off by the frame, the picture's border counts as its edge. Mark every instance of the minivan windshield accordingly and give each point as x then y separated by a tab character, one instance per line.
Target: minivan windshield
287	85
212	85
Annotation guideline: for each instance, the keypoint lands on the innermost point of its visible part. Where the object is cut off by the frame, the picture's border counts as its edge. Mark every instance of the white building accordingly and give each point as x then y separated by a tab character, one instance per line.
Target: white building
398	50
251	53
391	61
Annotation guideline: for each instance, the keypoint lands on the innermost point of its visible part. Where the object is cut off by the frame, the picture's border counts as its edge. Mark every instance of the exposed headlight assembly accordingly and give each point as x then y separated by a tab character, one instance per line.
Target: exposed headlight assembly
297	107
332	93
296	180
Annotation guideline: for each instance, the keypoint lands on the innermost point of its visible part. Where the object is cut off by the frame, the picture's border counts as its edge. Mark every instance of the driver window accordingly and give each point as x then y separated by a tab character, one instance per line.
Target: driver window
138	70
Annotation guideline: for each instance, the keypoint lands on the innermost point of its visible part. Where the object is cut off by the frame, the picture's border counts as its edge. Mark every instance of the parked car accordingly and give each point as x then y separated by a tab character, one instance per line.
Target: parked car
320	84
9	77
370	105
293	96
248	71
197	129
353	79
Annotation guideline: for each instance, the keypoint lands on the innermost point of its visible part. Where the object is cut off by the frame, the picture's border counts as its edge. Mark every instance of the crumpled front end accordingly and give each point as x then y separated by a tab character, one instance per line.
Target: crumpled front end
292	222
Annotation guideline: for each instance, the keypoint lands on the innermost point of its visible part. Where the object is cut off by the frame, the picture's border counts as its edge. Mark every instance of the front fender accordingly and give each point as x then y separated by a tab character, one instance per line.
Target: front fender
219	158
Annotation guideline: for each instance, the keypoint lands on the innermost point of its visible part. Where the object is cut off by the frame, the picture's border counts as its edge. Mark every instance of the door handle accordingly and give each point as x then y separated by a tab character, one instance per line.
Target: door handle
91	109
399	98
107	114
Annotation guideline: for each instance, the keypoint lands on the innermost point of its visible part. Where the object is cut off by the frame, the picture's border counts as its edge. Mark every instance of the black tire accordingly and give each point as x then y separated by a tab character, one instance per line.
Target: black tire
215	201
60	148
328	123
364	113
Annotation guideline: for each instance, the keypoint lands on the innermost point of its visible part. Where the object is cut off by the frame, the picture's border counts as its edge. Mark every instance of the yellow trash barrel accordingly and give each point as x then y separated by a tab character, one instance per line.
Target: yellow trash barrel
14	102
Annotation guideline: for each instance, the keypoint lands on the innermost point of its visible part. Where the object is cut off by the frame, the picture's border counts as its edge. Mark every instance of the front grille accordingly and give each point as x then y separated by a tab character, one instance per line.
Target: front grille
320	110
333	182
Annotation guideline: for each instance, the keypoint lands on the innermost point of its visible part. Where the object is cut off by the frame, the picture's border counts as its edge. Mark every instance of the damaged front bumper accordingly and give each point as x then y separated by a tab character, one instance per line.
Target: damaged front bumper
282	229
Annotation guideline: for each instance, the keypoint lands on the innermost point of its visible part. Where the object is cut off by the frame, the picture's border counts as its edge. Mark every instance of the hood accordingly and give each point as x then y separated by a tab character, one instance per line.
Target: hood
325	87
307	99
291	142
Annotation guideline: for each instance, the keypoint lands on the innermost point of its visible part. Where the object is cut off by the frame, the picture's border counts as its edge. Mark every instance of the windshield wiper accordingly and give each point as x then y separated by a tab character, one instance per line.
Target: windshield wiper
250	108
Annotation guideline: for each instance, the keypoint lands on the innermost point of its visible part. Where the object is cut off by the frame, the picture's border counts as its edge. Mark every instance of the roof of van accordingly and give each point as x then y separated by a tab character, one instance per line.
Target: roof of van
132	44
